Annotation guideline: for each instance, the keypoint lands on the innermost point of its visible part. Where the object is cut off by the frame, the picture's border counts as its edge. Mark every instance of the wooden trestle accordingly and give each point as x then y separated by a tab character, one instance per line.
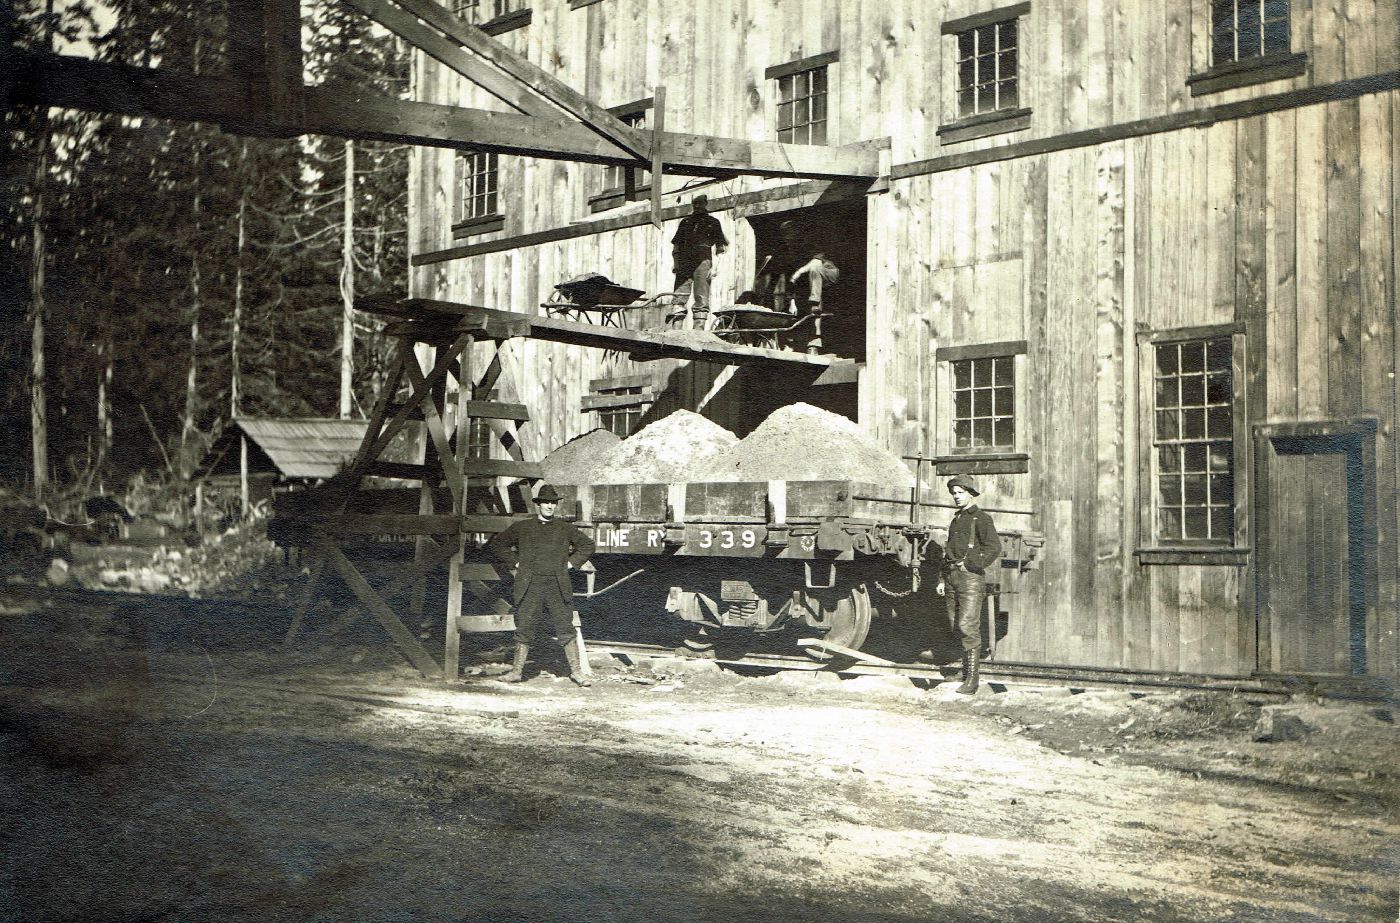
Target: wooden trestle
481	500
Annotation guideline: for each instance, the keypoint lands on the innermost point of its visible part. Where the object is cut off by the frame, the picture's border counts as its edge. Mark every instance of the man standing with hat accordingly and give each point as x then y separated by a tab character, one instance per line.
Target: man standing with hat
973	546
542	550
698	238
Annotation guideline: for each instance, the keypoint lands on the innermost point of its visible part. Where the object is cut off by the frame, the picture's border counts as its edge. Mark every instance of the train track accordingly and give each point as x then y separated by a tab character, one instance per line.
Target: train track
996	674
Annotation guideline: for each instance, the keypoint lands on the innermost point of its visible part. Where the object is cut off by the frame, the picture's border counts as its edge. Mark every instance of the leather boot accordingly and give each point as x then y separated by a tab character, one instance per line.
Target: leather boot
517	670
571	655
972	660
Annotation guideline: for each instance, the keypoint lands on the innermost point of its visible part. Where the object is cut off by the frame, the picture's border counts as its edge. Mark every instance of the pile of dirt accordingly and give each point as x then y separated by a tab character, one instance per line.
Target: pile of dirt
575	461
805	443
675	448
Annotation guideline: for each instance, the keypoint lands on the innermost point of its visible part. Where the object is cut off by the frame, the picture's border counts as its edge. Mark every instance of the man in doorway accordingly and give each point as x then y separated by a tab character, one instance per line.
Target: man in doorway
698	238
818	272
973	546
542	550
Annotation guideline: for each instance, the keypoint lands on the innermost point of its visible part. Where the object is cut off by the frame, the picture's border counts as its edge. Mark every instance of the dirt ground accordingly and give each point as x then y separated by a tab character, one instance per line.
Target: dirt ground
166	769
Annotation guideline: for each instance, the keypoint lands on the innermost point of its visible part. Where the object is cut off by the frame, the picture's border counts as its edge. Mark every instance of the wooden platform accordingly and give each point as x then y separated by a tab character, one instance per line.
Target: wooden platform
427	320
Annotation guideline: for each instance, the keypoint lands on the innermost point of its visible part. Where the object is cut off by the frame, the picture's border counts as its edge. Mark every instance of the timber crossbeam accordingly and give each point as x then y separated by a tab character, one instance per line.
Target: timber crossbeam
430	321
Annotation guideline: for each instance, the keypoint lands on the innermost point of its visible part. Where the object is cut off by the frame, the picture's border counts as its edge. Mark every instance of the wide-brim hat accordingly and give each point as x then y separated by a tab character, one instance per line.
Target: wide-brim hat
965	482
547	494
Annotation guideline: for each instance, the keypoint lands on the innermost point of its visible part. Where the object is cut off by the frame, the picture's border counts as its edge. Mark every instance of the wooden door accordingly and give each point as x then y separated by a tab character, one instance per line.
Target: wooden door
1315	579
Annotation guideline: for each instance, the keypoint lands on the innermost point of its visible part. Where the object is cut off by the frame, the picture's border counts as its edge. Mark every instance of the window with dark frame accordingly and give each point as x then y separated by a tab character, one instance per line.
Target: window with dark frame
1245	29
802	106
479	11
1193	442
984	404
622	420
987	68
478	180
615	175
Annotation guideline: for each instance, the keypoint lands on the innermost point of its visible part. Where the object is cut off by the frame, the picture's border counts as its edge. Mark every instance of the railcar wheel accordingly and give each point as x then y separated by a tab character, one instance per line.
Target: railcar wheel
847	616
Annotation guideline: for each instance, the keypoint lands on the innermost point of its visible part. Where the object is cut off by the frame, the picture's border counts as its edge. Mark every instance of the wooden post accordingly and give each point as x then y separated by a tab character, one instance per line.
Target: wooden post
658	111
347	287
451	656
426	358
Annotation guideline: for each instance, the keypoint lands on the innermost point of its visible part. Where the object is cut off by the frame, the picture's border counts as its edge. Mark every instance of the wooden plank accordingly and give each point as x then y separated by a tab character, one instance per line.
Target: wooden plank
1343	253
1280	266
395	524
495	410
502	86
501	468
541	84
404	471
308	594
398	584
1110	555
1312	193
371	600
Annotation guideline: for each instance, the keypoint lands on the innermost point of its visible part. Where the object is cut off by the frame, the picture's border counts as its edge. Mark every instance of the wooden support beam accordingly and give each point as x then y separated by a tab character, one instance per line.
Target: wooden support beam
77	83
401	582
396	524
542	83
494	410
374	445
437	431
308	594
371	600
411	29
501	468
264	54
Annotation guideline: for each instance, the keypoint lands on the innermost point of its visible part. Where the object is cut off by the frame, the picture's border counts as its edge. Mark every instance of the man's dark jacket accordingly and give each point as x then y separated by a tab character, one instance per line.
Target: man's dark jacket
972	541
694	236
542	550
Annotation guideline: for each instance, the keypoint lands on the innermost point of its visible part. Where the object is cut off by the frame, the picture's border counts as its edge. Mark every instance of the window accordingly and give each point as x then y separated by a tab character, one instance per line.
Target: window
620	402
985	72
615	188
1193	442
980	389
802	113
1242	29
493	16
1250	43
987	68
478	202
984	403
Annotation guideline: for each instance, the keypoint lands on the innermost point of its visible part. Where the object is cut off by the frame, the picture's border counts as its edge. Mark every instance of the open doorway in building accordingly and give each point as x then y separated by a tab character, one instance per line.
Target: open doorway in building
787	241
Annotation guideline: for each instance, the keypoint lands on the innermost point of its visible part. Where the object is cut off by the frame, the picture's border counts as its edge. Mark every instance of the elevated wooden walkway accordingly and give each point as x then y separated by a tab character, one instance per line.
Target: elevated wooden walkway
428	321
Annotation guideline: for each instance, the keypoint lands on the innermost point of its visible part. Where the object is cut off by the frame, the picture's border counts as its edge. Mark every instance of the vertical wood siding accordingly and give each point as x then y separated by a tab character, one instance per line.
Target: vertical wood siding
1287	222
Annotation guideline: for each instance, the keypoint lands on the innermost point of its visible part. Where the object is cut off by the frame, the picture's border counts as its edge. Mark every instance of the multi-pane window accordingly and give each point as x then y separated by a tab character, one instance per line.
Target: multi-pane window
477	193
987	61
1243	29
1193	441
478	11
984	398
802	112
622	420
615	175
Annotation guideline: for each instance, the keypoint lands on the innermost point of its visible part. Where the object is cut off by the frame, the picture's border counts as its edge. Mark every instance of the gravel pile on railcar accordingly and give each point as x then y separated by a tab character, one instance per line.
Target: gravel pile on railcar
575	461
800	442
674	448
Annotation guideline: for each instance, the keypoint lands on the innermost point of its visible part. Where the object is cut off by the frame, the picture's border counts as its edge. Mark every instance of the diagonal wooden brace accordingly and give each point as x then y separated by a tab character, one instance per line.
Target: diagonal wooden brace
403	638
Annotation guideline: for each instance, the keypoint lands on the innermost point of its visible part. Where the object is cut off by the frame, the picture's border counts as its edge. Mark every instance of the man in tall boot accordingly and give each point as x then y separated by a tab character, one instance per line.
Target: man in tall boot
973	546
542	550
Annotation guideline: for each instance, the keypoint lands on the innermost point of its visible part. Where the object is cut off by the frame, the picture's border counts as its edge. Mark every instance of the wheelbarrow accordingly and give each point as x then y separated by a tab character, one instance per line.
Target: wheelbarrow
589	293
753	326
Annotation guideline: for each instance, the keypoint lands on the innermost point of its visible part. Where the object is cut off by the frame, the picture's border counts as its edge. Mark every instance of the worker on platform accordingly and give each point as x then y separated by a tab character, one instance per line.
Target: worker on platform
819	273
541	551
693	248
973	546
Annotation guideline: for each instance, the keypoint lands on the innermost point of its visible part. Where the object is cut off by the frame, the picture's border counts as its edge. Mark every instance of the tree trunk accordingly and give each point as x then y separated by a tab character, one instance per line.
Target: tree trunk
347	288
187	428
38	405
104	403
235	388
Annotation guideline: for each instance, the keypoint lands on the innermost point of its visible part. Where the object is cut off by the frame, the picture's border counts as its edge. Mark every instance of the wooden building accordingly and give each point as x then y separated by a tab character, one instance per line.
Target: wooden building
1133	264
